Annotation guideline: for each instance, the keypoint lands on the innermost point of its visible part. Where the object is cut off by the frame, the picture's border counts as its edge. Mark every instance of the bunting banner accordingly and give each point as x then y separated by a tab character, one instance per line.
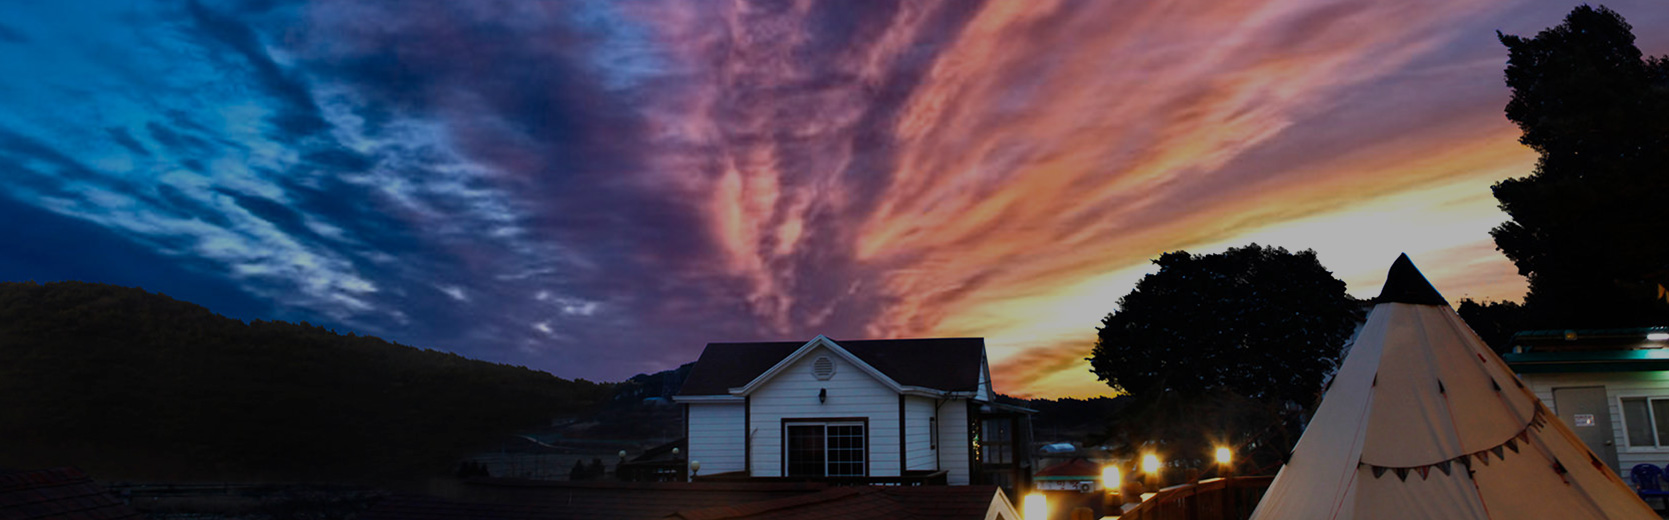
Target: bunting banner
1537	421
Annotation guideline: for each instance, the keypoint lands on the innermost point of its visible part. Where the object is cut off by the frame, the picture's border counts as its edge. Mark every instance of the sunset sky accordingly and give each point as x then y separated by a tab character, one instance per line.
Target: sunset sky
598	189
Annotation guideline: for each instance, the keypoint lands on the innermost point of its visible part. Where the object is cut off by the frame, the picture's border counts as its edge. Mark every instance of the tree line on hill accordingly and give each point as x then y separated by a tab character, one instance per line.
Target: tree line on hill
130	385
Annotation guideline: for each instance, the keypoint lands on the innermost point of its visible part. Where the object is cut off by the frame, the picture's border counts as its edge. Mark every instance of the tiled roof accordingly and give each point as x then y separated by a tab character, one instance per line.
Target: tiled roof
1077	467
60	493
951	364
901	503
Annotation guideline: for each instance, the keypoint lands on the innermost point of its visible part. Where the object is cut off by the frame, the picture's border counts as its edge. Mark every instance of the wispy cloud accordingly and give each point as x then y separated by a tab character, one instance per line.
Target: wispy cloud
599	188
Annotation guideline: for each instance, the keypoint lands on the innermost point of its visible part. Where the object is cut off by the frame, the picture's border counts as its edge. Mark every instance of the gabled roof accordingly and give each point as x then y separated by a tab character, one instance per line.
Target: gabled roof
948	364
58	493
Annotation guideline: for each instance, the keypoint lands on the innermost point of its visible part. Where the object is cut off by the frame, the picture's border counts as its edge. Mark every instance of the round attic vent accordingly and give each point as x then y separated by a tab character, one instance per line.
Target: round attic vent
823	368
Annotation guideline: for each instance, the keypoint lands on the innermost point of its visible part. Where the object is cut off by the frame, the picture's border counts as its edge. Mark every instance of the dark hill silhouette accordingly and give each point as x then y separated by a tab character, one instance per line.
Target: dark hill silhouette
130	385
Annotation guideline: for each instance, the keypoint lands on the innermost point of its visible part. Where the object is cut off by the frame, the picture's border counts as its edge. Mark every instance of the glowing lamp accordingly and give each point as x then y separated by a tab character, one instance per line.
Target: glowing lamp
1109	477
1657	336
1150	463
1224	455
1035	507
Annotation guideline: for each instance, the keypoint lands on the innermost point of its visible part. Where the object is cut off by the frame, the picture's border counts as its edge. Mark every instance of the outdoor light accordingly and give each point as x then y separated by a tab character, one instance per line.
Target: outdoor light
695	467
1150	463
1657	336
1224	456
822	395
1036	507
622	454
1109	477
675	452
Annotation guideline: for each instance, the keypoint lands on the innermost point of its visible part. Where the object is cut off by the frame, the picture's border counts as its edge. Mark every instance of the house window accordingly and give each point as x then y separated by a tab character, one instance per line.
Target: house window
1647	421
997	446
825	449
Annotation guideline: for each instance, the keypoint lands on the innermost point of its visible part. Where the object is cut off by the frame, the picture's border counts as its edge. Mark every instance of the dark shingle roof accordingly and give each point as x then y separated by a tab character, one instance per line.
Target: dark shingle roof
923	502
64	493
951	364
498	499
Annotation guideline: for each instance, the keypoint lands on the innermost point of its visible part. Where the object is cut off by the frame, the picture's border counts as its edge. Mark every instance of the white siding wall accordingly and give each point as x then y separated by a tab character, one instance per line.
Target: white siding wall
953	441
852	393
716	437
918	418
1617	385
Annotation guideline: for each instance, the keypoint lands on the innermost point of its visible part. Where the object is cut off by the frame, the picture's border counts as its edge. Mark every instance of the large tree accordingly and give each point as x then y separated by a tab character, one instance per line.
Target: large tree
1248	325
1262	322
1588	227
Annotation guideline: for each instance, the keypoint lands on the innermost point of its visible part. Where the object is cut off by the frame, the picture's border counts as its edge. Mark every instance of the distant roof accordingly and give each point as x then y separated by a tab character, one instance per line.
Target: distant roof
912	502
1076	468
1639	360
951	364
65	493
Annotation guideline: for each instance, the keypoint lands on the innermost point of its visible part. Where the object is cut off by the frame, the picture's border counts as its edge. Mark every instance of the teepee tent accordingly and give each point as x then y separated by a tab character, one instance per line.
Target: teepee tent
1423	420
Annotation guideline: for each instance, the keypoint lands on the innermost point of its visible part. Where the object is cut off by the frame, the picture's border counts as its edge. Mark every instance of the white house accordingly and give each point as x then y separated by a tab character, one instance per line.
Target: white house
877	410
1611	386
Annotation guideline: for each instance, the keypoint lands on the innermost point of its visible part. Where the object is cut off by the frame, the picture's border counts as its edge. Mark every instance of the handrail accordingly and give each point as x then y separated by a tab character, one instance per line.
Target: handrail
1210	499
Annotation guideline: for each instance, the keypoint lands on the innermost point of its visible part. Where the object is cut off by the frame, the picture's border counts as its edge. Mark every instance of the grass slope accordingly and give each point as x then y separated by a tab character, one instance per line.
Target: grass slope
132	385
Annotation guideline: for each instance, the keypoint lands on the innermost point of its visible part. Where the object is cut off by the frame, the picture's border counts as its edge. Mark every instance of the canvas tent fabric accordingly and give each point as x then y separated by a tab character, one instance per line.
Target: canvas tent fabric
1423	420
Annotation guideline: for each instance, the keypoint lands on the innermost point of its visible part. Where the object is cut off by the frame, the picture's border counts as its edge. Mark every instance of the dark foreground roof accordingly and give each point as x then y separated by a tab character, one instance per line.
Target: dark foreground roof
503	499
64	493
951	364
903	503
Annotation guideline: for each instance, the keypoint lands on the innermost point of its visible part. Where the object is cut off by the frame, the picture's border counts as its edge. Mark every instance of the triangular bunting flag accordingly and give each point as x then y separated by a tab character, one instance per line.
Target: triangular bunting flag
1444	467
1597	464
1465	460
1402	473
1512	444
1495	384
1424	471
1483	456
1440	388
1378	471
1499	452
1524	436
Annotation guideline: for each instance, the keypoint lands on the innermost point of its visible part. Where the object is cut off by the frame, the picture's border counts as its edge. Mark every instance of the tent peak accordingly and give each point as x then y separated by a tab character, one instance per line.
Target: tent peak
1405	284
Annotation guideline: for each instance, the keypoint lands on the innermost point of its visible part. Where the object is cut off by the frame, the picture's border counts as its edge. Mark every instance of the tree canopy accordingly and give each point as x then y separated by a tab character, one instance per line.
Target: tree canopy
1260	322
1587	226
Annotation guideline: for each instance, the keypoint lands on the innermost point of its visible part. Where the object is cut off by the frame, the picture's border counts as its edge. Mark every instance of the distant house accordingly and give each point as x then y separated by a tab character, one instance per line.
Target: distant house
858	410
1611	386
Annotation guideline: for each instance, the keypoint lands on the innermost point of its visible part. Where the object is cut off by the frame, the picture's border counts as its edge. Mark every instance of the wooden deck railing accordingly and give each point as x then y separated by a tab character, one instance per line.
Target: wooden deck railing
1232	498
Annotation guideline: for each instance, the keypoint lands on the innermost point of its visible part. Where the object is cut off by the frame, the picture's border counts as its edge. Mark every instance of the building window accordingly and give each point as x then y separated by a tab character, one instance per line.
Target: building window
997	446
1647	421
825	449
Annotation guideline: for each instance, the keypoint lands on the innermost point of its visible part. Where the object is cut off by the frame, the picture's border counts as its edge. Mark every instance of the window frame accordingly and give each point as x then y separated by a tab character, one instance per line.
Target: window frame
861	422
1651	423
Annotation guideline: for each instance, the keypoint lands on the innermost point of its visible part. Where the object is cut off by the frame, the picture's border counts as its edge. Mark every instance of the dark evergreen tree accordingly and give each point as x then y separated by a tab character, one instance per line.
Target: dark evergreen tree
1587	226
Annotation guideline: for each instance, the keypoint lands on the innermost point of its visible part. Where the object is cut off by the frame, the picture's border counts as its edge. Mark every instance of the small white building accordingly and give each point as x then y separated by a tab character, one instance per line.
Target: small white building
875	410
1610	386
